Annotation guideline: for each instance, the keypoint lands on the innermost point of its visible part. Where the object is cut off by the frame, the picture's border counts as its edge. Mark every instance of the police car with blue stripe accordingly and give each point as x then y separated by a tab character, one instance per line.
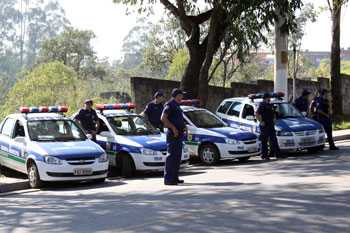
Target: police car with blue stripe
48	146
130	141
211	139
294	131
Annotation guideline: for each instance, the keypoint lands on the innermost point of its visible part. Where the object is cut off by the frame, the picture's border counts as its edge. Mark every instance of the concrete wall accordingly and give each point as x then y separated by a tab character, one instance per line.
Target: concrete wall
143	89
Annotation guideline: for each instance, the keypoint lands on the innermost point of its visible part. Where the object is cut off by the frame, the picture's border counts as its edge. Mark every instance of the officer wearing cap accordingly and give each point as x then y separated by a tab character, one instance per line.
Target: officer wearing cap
88	120
324	117
173	119
267	119
302	103
312	107
153	111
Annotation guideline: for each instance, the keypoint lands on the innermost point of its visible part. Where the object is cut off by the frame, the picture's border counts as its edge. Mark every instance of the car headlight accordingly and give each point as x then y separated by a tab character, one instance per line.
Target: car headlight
284	133
103	158
232	141
185	149
321	130
52	160
147	151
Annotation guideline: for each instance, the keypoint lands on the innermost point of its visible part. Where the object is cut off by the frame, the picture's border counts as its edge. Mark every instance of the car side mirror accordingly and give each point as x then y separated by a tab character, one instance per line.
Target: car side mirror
250	118
106	134
89	136
20	140
304	114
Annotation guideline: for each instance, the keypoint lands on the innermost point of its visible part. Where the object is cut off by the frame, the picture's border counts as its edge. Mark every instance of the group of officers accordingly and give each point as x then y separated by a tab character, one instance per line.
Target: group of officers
170	115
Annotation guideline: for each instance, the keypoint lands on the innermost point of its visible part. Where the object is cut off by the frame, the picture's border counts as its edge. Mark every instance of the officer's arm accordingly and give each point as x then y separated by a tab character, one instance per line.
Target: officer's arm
144	115
167	123
80	125
258	116
322	113
311	106
97	125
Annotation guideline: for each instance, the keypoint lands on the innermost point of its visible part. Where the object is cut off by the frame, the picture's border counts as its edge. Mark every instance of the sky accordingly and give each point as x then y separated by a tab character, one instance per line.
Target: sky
110	24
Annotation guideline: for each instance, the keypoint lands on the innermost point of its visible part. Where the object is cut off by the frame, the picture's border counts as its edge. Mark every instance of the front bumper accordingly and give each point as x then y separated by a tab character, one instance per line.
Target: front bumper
65	171
239	151
300	142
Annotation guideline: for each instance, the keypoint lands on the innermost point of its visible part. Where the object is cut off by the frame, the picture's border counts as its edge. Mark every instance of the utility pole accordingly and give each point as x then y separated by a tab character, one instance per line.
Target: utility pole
281	55
294	71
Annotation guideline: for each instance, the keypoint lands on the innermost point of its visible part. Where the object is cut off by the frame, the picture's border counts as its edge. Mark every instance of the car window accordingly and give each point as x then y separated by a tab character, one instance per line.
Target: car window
103	126
286	110
204	119
235	109
19	130
224	107
8	126
131	125
248	110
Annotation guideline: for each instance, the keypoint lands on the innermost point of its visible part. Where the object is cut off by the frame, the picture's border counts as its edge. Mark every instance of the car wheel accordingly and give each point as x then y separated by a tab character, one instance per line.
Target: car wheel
209	155
33	176
127	167
244	159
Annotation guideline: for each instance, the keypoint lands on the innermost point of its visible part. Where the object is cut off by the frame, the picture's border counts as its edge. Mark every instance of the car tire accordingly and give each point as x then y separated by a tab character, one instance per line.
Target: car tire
313	150
127	166
33	176
209	155
244	159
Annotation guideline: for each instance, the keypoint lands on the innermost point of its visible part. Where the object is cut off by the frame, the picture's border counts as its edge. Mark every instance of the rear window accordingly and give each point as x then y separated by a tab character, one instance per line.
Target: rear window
235	109
224	107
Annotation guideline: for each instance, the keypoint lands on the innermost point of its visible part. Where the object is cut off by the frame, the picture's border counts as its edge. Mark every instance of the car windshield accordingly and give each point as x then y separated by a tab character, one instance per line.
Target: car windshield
204	119
54	130
286	110
131	125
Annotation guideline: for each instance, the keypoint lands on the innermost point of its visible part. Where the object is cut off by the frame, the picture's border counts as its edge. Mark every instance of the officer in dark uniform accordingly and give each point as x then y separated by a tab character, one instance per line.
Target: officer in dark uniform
266	116
312	107
153	111
173	119
324	117
88	120
302	103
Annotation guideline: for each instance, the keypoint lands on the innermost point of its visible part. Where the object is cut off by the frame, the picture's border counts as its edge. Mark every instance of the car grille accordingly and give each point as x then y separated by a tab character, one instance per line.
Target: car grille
307	143
81	160
249	141
69	174
306	133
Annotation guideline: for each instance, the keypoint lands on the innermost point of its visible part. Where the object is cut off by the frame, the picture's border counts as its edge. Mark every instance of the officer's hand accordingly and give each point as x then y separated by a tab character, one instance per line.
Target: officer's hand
93	132
274	121
186	130
176	133
262	123
86	131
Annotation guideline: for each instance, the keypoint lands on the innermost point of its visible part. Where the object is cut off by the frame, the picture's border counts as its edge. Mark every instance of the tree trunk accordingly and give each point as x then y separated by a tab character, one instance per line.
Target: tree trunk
336	101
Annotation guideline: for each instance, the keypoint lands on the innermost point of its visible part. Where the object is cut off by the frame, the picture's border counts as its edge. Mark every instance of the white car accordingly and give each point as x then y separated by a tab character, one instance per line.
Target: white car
130	141
211	139
48	146
294	131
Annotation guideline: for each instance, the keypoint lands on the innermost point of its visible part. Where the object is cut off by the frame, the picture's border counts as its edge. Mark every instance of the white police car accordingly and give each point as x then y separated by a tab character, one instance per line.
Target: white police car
48	146
294	131
211	139
130	141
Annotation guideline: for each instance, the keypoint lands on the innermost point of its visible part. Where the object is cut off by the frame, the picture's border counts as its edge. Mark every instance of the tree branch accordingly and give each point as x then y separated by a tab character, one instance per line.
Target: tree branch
201	18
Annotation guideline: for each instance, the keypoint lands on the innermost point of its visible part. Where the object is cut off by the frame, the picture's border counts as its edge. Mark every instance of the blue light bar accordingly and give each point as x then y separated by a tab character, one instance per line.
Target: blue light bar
34	109
109	106
53	109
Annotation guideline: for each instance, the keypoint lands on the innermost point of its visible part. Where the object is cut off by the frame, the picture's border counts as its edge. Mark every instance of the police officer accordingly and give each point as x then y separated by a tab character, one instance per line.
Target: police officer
267	120
324	117
88	120
312	107
302	103
153	111
173	119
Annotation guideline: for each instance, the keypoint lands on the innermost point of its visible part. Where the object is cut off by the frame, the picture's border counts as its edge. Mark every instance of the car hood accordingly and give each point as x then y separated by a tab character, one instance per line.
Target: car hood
63	150
230	132
155	142
297	124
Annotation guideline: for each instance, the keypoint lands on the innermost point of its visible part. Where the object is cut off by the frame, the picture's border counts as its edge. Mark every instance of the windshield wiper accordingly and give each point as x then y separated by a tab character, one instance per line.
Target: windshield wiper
65	139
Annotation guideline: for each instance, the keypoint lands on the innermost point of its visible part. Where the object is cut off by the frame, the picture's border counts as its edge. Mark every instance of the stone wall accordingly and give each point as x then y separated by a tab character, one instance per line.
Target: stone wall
120	97
143	89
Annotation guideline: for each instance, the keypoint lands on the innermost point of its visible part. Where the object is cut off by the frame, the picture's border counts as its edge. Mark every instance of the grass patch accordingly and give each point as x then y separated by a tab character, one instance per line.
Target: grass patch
341	125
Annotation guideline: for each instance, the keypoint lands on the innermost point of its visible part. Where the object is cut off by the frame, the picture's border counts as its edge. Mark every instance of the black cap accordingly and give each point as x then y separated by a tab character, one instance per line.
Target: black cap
177	91
158	94
323	91
266	95
305	92
88	101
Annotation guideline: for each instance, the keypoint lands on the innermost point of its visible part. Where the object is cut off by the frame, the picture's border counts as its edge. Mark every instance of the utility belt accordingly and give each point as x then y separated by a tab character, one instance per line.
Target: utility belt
171	132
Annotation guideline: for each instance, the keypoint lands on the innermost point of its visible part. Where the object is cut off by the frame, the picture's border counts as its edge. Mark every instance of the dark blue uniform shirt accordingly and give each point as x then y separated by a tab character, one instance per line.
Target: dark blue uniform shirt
174	112
322	104
302	104
154	112
266	112
87	118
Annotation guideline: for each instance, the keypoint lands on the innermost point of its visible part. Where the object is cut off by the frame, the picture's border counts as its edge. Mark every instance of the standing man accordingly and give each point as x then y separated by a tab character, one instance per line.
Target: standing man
88	120
312	107
302	103
153	111
173	119
324	117
267	119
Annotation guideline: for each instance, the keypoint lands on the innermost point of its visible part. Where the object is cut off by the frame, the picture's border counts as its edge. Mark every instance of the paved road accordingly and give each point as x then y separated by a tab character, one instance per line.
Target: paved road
305	193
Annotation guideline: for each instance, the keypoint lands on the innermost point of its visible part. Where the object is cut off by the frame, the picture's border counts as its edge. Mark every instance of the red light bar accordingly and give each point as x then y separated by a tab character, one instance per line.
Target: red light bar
132	105
24	109
197	100
100	106
43	109
117	106
281	94
62	108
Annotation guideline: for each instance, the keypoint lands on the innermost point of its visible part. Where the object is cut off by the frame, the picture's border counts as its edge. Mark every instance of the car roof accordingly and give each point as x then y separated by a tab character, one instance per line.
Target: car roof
190	108
255	101
39	116
113	113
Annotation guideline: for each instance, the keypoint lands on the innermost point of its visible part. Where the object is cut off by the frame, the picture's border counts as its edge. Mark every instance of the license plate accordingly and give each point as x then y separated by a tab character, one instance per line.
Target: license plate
308	139
253	149
82	171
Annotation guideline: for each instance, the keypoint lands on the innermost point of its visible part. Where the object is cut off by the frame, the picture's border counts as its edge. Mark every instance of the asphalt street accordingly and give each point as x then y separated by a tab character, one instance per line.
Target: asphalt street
304	193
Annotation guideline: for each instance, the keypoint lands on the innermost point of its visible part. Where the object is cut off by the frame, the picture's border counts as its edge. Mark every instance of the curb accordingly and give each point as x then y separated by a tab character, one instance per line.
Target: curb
341	137
9	187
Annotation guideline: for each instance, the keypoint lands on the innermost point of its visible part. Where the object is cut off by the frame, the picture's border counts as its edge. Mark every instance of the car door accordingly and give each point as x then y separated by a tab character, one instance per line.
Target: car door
19	147
248	121
233	114
107	141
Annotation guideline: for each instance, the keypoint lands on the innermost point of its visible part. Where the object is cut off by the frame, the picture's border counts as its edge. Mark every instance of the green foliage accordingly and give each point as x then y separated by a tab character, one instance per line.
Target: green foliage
179	64
341	125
